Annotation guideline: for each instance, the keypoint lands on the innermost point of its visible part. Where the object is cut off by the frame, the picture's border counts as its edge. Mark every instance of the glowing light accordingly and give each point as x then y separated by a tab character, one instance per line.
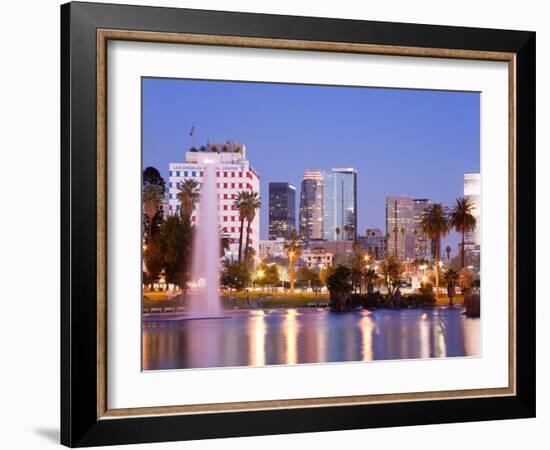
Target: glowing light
291	328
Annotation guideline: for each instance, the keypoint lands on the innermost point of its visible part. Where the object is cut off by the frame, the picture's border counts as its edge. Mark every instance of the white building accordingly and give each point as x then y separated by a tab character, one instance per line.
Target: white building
233	174
472	192
317	257
274	248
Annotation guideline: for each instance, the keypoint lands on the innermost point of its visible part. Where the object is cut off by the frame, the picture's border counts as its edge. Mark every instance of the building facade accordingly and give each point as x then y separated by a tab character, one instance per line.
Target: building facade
374	242
273	248
311	206
472	192
317	257
340	204
282	209
234	174
400	227
342	251
422	244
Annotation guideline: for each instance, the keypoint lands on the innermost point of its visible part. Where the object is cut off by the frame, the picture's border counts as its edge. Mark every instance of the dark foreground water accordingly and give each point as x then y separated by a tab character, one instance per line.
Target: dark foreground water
298	336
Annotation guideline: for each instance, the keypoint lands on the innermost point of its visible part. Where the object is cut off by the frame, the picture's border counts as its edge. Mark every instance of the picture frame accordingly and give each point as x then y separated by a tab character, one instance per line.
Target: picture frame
86	419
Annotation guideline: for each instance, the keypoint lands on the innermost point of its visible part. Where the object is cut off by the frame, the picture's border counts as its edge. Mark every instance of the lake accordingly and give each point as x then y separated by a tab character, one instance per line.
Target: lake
308	335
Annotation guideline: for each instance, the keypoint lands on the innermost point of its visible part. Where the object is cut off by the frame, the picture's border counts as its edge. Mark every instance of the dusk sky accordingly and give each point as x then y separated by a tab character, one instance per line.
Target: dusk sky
401	142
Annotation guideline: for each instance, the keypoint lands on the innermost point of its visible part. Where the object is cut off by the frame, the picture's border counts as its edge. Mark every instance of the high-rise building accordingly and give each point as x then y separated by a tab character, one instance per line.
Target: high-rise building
472	192
233	175
374	242
340	204
422	246
311	206
400	226
282	209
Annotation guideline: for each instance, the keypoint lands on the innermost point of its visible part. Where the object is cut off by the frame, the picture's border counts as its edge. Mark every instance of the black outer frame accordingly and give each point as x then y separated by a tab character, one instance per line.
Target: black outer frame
79	423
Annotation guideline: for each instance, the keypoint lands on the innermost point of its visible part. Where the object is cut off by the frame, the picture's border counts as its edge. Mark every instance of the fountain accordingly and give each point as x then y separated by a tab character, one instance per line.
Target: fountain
204	292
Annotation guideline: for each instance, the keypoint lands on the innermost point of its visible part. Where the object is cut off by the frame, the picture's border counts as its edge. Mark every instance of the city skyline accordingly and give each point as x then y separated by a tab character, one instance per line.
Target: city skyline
382	133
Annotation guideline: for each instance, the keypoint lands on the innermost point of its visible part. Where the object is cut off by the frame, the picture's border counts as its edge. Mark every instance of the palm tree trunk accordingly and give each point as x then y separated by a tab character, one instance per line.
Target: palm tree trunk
437	267
291	270
241	238
462	252
247	238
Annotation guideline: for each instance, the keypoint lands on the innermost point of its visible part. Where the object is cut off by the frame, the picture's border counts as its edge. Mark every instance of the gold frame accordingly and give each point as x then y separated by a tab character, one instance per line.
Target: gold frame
103	36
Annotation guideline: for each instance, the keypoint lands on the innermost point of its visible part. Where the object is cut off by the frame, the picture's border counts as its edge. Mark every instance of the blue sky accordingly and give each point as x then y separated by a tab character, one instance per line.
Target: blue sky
402	142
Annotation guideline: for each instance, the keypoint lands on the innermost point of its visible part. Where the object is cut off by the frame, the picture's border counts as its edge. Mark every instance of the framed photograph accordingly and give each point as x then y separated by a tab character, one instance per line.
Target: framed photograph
276	224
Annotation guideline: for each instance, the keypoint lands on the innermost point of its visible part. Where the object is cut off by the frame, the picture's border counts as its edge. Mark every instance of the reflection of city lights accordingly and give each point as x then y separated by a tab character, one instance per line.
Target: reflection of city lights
257	341
366	329
291	336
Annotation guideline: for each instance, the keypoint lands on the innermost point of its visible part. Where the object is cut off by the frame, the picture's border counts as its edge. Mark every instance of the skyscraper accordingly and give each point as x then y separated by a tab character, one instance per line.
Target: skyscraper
311	206
400	226
472	192
282	209
340	204
422	247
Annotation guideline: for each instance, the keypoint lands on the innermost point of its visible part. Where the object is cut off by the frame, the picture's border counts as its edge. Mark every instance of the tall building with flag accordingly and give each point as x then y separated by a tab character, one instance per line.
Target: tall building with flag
234	174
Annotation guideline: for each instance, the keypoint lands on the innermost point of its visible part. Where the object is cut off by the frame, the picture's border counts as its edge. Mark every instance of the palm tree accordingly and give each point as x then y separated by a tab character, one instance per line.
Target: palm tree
392	271
463	221
450	277
448	251
152	198
337	231
293	250
370	278
253	203
188	196
435	224
240	204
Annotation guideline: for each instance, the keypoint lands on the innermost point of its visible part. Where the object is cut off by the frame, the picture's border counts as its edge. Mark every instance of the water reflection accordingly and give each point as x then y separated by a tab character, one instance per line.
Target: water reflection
298	336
